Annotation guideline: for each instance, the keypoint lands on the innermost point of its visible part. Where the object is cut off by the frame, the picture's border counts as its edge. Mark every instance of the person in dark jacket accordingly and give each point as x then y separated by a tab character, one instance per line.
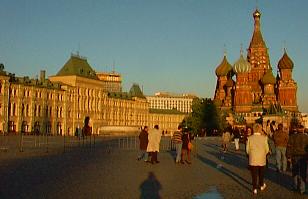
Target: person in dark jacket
186	139
297	151
87	129
143	144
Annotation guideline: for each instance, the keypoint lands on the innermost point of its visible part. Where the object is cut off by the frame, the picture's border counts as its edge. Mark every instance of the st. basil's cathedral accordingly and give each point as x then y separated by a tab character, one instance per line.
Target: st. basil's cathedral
255	90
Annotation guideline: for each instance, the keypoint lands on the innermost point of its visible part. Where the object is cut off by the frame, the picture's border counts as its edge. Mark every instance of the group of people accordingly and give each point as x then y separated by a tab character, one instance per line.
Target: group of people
182	140
149	141
261	142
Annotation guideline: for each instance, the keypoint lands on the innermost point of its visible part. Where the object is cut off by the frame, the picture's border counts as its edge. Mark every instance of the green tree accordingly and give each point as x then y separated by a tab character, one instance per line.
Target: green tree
205	115
214	117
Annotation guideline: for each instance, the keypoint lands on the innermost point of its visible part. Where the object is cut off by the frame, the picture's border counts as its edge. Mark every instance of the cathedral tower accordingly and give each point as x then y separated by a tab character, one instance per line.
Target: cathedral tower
243	95
257	56
286	86
223	73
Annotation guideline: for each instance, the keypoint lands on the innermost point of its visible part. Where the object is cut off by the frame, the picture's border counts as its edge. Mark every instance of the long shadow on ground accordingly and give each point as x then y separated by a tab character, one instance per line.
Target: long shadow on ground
240	161
234	176
38	177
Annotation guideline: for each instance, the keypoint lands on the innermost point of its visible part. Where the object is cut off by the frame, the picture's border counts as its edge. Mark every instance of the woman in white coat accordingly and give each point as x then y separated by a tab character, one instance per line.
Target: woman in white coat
257	149
153	144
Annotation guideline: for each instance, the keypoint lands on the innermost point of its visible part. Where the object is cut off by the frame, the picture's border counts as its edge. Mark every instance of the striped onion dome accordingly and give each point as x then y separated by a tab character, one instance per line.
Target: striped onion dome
285	62
223	68
241	65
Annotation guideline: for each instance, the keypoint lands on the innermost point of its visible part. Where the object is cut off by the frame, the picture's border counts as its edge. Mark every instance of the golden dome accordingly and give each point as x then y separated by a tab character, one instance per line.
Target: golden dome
241	65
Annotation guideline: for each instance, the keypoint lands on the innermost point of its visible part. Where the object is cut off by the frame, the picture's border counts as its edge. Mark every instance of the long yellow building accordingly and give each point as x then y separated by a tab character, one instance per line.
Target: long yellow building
59	104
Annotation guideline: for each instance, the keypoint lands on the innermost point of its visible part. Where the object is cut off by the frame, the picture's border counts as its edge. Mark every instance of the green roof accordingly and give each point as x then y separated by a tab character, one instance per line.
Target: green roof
2	71
166	111
135	91
119	95
78	66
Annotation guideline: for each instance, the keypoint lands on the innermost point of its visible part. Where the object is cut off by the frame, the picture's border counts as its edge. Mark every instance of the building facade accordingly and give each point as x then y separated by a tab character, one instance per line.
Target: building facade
59	104
167	101
113	81
255	90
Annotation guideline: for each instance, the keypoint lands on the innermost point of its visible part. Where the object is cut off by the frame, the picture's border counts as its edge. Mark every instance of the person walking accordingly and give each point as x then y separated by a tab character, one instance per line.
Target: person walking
186	149
257	149
281	139
177	139
226	136
297	152
143	144
154	138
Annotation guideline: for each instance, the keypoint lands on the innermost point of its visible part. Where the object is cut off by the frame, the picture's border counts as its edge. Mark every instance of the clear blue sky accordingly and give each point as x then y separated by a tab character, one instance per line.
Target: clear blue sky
164	45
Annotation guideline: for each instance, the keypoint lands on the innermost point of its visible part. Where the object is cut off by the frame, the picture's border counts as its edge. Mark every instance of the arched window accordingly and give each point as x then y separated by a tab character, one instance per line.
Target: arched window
57	112
13	109
27	110
22	109
39	111
61	113
46	111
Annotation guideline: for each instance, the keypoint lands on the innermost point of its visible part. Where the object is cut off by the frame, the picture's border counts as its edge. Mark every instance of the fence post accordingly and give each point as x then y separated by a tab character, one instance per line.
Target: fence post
64	143
79	140
94	141
90	142
39	141
196	146
21	142
135	142
83	137
4	143
47	143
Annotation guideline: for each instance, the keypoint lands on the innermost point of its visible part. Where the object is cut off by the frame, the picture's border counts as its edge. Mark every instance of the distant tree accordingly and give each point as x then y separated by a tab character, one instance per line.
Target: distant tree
214	117
205	115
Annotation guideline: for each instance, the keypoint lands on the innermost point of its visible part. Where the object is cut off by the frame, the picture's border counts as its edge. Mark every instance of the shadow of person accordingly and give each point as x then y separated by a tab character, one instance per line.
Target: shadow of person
150	187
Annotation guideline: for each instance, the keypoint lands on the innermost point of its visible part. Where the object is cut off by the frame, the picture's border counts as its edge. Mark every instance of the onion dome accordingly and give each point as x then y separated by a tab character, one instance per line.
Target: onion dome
268	78
285	62
241	65
230	83
223	68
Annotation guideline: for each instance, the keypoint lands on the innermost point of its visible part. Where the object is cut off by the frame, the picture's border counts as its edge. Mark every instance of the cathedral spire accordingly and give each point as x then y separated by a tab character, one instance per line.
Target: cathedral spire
257	39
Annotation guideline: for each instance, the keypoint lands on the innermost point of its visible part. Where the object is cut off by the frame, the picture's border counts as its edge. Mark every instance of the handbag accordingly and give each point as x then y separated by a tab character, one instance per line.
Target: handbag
190	145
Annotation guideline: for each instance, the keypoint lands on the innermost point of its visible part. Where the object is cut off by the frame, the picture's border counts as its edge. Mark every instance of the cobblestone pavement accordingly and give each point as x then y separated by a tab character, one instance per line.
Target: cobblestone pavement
115	173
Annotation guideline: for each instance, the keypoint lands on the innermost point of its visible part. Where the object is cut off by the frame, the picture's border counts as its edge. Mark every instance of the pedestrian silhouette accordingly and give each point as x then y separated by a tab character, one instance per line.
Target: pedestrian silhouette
150	187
